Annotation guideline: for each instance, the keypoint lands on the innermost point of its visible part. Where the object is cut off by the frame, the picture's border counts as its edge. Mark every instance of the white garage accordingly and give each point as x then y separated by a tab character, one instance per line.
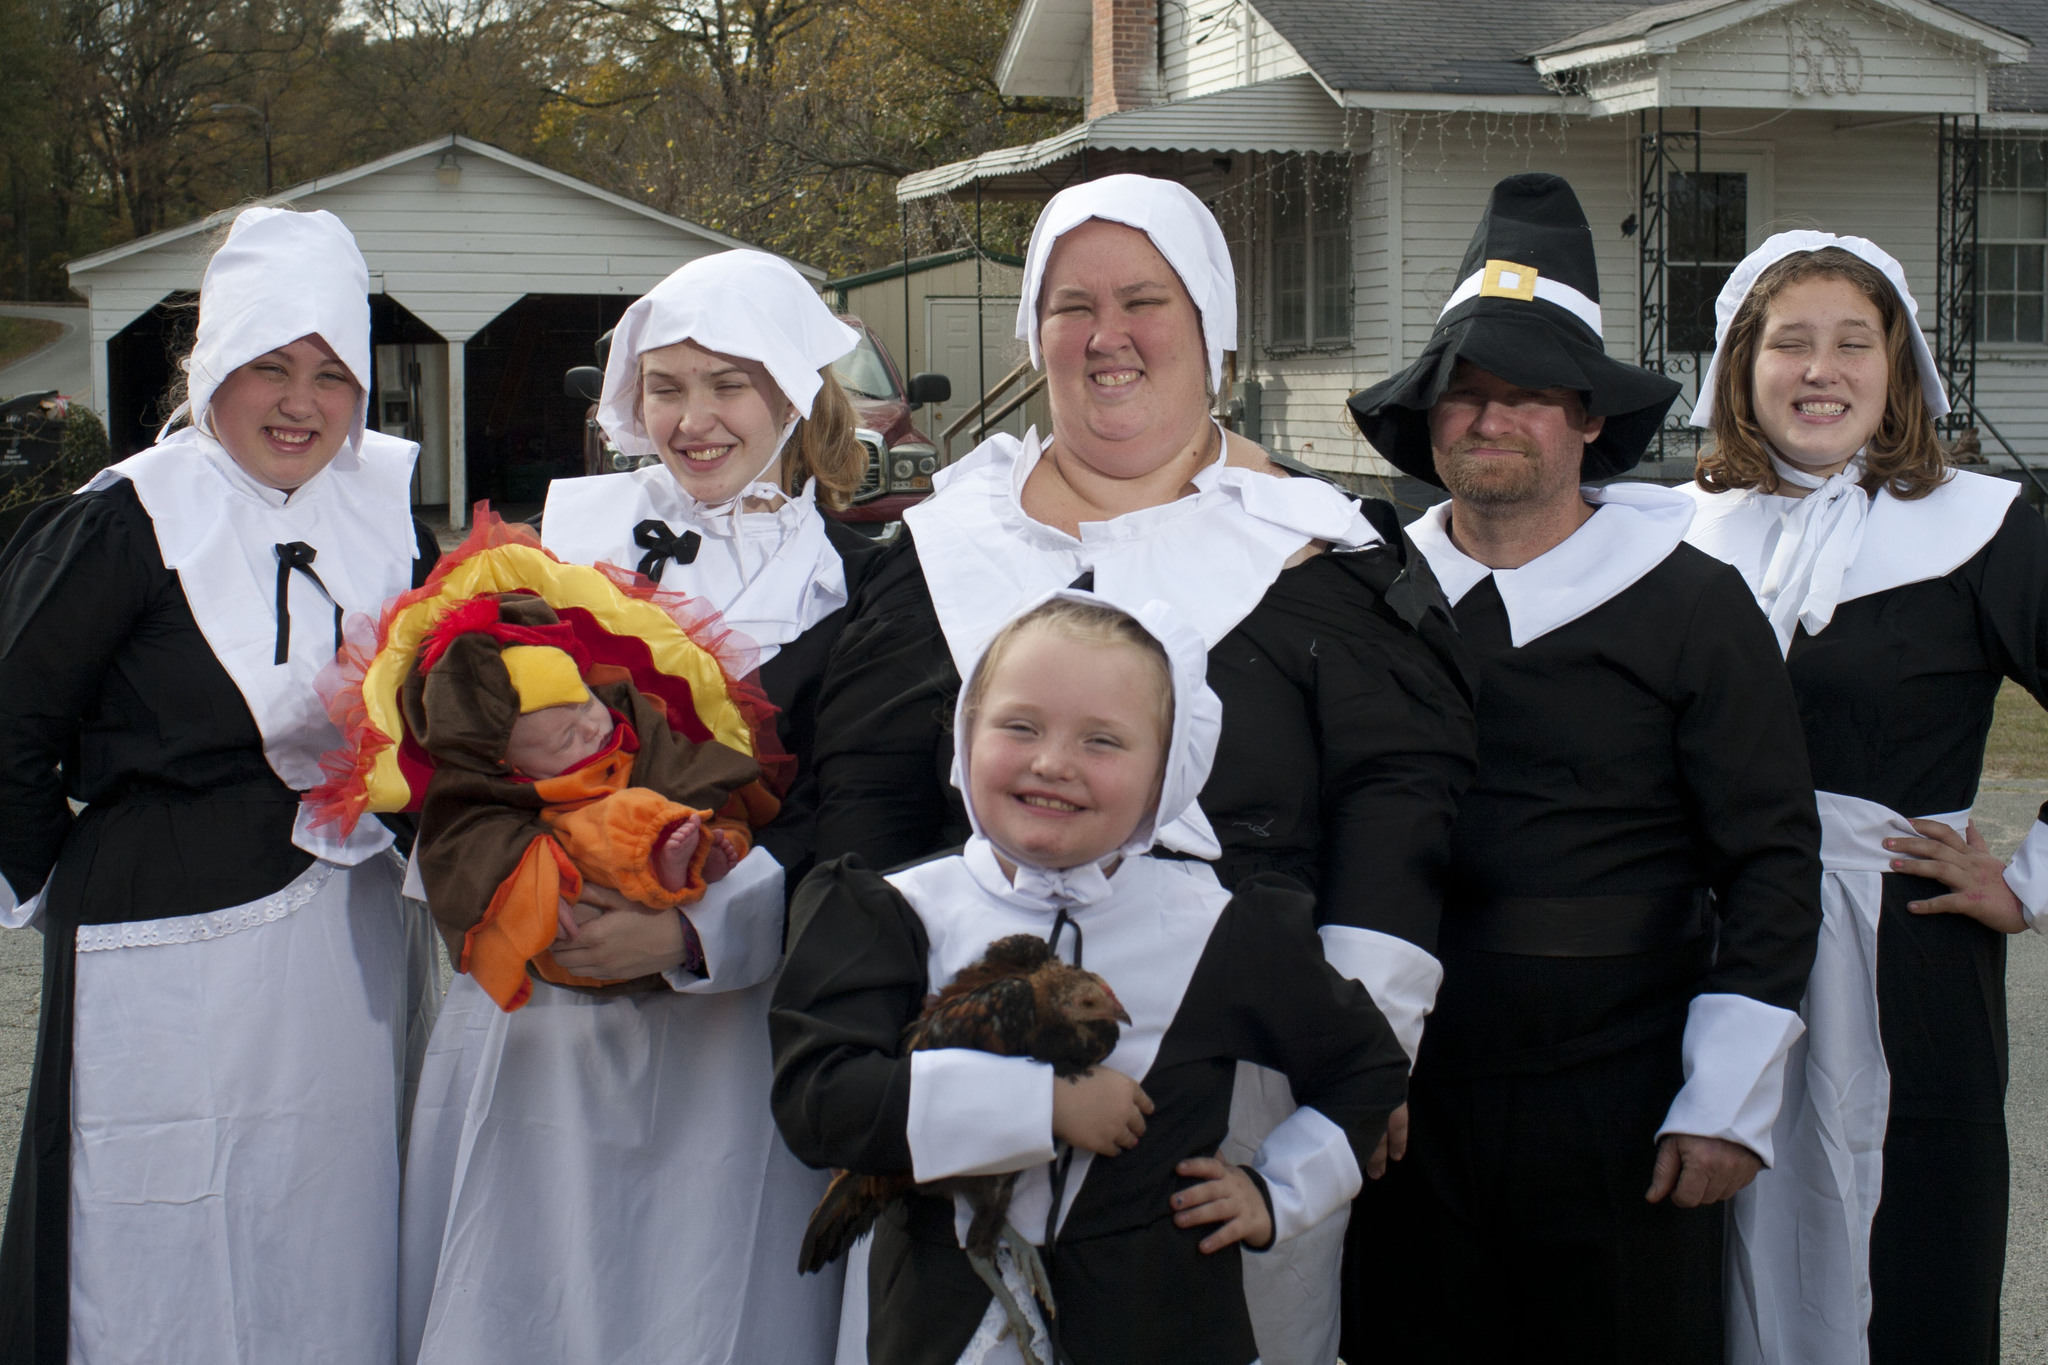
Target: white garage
489	276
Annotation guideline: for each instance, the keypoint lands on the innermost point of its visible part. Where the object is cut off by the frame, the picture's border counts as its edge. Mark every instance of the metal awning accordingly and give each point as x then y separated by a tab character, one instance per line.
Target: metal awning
1291	114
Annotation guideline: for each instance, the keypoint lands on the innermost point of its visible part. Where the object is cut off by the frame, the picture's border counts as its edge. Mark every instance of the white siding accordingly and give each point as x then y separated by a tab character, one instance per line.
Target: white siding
1211	45
455	256
1874	184
1825	56
1445	168
2012	393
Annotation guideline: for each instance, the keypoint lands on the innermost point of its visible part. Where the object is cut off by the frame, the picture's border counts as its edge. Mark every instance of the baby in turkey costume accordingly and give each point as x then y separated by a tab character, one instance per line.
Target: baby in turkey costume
548	777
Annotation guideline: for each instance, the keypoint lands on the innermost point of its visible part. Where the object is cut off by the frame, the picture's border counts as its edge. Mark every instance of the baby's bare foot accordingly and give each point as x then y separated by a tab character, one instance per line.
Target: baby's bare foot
722	858
672	858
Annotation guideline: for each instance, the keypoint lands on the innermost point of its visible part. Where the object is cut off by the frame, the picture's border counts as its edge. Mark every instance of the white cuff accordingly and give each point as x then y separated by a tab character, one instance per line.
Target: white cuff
1734	1053
739	922
1310	1172
1401	978
21	914
974	1113
2027	875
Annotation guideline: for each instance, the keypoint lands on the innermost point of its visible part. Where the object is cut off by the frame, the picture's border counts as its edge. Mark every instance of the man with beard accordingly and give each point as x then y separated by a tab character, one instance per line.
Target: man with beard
1634	892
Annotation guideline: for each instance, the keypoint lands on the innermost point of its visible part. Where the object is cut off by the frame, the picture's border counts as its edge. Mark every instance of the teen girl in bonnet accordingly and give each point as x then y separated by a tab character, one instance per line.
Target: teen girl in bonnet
1902	592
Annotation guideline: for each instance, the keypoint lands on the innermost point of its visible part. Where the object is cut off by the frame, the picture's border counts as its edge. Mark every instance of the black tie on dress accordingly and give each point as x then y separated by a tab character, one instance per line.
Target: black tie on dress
297	554
663	545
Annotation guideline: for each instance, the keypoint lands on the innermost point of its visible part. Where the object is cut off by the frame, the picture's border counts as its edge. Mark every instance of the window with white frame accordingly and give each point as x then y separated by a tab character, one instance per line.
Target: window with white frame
2012	241
1311	253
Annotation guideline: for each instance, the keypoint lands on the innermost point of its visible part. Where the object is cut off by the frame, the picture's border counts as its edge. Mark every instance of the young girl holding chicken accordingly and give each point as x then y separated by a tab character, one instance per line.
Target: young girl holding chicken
1083	729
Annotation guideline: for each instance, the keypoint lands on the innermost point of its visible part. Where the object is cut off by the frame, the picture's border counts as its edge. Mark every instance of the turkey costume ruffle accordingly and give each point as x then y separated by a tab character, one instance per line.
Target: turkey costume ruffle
1210	978
1347	730
1898	619
457	661
232	1000
598	1176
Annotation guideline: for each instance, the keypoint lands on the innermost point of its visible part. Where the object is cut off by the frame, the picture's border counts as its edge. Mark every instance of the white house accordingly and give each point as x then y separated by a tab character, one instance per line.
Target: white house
1348	147
490	276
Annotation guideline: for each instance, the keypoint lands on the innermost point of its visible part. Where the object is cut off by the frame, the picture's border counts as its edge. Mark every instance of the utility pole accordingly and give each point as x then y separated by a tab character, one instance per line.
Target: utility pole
264	114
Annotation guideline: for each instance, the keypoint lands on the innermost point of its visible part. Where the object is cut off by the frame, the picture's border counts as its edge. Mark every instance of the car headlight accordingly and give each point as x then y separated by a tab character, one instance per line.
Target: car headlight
904	469
927	464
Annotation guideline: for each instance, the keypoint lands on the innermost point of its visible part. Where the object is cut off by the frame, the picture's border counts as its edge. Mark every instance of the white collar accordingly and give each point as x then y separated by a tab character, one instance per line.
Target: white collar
217	529
1211	555
1038	888
1633	529
1897	542
1145	938
771	575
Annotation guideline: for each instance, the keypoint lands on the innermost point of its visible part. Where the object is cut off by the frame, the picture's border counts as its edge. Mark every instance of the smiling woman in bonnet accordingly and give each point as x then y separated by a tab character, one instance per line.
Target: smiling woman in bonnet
598	1179
1903	593
1347	735
723	371
209	1165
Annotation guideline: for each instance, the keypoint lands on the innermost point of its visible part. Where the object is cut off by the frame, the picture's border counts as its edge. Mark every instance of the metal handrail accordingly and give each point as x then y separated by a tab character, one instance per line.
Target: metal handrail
981	406
1977	416
1024	395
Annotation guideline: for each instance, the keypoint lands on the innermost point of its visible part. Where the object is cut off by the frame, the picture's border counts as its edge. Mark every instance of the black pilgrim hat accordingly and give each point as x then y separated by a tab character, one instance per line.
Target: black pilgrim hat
1527	308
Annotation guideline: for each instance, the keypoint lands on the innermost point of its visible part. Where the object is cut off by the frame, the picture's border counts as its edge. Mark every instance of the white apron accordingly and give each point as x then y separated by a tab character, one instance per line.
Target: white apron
236	1125
1799	1235
599	1179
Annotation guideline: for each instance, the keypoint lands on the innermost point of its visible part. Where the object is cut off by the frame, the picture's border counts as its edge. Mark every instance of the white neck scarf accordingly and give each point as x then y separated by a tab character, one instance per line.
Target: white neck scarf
772	575
1212	554
1819	536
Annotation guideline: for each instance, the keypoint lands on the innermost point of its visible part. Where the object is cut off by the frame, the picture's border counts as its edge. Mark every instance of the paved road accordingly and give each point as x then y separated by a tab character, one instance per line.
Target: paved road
2004	811
64	365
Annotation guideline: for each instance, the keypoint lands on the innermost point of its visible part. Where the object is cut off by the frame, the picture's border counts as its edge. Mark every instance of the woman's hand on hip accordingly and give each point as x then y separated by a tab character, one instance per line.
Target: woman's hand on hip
1973	874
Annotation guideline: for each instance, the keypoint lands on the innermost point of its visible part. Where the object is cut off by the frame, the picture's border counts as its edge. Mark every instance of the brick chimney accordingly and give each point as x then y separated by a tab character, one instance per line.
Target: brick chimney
1125	36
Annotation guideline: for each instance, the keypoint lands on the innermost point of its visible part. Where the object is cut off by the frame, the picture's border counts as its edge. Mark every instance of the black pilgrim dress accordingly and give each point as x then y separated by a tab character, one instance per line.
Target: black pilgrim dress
111	697
1896	696
1130	1287
1347	733
793	680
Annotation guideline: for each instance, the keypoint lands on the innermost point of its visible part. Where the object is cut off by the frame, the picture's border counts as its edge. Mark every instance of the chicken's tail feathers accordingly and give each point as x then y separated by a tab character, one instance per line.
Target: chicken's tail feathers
842	1217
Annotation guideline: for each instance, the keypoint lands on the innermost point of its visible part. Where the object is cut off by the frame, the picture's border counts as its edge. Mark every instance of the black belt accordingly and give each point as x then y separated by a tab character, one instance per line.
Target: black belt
1578	926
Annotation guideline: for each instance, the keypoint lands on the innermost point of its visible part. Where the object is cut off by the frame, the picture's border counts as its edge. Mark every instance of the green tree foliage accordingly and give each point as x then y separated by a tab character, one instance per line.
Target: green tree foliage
785	122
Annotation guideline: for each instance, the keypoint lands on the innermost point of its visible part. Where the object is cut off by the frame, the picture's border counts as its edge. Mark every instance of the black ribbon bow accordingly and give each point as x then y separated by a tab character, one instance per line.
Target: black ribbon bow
297	554
663	545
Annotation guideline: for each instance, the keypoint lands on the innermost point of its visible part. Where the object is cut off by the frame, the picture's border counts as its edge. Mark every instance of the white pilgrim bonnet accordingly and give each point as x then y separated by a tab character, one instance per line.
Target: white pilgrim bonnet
1190	751
1776	249
280	275
739	303
1180	226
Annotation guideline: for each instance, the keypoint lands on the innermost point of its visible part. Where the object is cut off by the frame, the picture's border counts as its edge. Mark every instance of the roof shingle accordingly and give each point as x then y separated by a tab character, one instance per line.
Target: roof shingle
1480	47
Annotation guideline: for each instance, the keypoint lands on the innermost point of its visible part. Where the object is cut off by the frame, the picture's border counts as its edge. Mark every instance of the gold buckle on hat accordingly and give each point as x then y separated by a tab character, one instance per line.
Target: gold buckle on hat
1507	280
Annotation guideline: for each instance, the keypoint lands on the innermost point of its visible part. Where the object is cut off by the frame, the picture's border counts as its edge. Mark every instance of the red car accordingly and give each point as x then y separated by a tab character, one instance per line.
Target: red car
901	459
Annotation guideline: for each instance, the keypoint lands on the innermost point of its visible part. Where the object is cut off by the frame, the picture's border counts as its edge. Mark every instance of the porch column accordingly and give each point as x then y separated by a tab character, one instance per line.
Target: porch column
458	451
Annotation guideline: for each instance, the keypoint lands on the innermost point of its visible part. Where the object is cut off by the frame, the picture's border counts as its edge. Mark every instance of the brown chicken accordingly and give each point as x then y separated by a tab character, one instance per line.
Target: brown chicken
1018	1001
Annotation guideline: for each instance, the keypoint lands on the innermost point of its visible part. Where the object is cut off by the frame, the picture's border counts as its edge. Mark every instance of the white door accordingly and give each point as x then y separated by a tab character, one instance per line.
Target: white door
951	350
